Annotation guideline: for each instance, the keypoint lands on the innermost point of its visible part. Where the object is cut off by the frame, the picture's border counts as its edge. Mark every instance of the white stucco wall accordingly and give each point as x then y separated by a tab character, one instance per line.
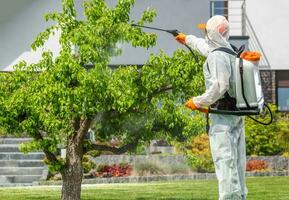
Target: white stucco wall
270	22
20	22
18	30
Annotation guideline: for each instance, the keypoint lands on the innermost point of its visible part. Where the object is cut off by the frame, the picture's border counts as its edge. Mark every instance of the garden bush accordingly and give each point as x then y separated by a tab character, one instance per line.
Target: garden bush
148	168
178	169
199	156
87	164
94	153
256	165
115	170
268	140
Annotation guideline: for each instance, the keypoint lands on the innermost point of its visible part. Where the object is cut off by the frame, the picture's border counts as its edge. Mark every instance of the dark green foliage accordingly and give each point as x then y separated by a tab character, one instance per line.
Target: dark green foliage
87	164
267	140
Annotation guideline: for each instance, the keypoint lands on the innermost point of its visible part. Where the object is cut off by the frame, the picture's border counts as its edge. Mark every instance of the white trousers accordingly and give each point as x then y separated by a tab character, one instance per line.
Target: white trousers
228	147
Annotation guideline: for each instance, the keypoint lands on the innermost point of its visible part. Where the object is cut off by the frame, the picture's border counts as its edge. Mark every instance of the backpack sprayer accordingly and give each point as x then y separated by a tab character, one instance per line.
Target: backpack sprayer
249	96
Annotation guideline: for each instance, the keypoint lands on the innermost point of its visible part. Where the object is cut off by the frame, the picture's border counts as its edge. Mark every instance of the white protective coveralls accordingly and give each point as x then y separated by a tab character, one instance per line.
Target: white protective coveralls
227	139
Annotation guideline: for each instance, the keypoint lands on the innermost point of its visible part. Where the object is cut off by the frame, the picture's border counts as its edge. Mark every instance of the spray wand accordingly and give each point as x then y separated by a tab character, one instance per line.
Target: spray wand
174	32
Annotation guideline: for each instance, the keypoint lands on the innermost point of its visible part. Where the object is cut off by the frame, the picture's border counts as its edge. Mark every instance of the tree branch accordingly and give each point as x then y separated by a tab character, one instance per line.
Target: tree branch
84	125
50	156
164	89
115	150
159	91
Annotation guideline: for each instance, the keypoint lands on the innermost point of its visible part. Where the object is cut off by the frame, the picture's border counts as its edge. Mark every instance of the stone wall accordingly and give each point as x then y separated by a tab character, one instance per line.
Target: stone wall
278	166
116	159
275	163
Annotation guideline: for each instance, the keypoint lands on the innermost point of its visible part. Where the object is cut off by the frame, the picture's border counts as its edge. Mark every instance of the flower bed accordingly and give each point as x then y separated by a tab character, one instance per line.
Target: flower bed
115	170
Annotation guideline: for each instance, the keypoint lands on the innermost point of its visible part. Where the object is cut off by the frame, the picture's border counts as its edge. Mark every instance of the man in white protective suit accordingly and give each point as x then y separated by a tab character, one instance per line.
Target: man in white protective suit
227	138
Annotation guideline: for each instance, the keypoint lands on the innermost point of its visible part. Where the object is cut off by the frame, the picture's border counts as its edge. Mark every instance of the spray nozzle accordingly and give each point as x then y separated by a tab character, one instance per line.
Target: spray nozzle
173	32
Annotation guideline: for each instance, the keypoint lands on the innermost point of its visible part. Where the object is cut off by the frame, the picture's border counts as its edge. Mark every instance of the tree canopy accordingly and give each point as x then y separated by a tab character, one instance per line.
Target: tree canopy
57	100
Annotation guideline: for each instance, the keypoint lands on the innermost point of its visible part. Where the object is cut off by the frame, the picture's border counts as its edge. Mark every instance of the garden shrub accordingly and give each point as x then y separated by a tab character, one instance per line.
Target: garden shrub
286	154
87	164
178	169
93	153
148	168
115	170
256	165
267	140
199	156
283	135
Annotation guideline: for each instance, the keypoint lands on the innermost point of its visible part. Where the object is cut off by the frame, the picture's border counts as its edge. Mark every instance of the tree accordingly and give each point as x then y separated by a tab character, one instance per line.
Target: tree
57	100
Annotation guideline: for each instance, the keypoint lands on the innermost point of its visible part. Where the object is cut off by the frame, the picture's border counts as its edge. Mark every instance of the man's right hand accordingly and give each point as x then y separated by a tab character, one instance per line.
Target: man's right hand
181	38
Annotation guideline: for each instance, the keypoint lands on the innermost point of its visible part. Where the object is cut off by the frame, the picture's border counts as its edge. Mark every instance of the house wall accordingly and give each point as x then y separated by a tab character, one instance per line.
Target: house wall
269	20
20	22
18	30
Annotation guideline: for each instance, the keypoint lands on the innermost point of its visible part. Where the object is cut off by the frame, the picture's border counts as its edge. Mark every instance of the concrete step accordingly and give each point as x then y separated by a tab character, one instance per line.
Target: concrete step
21	163
21	170
10	179
9	148
21	156
14	140
15	184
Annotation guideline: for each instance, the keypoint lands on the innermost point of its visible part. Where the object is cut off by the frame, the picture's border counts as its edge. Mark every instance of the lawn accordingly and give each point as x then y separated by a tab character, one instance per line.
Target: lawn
263	188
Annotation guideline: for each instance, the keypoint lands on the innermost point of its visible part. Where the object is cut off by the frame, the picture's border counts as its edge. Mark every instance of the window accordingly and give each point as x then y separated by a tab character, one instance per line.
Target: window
282	83
219	8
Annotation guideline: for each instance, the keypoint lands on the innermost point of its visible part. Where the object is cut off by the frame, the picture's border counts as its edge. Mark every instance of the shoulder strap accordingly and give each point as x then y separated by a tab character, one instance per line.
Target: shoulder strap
226	50
234	47
237	52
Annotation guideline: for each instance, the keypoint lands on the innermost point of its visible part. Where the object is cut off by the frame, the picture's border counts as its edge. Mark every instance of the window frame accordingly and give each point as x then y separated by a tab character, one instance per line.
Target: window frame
279	76
225	8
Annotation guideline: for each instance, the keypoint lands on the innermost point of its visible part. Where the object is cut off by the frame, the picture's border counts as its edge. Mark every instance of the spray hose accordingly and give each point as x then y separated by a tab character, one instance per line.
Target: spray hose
174	32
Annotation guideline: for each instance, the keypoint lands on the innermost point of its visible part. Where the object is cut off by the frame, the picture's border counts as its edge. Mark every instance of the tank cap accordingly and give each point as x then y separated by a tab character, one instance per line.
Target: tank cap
251	56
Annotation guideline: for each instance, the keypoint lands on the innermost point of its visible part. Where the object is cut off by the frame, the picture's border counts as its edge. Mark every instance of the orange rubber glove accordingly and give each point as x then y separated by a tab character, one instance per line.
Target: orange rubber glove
181	38
191	105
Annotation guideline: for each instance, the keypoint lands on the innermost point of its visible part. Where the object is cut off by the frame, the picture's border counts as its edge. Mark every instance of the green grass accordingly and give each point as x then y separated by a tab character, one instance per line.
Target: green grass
263	188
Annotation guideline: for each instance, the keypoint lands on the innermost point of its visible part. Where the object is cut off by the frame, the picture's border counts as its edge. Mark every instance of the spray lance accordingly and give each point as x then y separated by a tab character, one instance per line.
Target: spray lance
174	32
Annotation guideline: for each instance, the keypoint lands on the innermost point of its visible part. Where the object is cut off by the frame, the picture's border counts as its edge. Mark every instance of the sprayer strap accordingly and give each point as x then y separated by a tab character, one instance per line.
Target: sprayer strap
226	50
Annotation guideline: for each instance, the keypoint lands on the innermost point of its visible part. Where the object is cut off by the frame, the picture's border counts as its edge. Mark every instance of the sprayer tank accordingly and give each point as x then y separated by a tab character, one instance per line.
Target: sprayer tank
252	85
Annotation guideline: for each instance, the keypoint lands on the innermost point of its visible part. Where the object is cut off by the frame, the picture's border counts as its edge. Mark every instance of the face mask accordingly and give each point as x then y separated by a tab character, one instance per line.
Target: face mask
216	40
226	35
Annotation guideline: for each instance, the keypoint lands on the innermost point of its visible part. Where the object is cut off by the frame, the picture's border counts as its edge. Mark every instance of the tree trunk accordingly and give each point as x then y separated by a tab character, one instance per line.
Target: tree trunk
72	173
